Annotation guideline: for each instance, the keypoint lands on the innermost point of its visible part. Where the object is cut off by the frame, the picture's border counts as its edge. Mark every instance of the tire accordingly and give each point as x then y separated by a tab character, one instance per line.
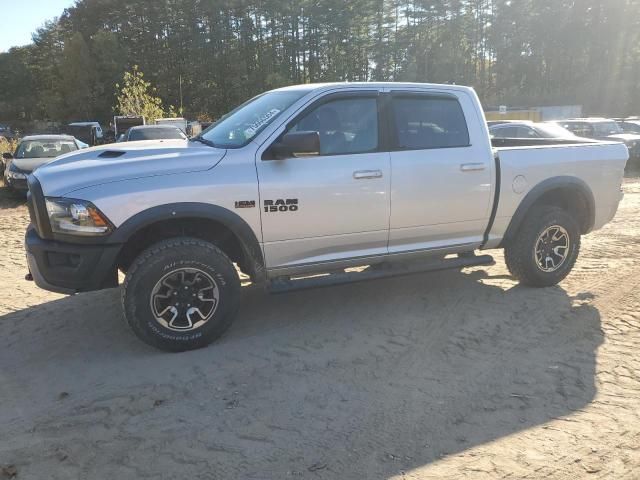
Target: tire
187	270
547	269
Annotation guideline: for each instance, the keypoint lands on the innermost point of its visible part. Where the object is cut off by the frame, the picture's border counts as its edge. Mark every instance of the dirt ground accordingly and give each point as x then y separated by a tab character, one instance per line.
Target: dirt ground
443	375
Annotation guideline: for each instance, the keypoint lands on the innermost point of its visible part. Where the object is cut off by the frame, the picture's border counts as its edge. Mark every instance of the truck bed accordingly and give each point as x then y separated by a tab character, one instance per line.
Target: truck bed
536	142
521	168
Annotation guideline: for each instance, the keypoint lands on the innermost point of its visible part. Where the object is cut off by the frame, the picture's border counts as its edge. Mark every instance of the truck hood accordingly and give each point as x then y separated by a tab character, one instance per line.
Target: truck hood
124	161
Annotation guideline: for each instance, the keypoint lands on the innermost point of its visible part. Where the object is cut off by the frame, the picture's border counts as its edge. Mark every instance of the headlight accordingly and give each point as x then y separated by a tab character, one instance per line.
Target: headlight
15	175
76	217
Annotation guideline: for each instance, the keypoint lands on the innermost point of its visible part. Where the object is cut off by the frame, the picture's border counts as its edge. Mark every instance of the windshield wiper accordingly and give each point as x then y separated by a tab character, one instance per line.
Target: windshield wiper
198	138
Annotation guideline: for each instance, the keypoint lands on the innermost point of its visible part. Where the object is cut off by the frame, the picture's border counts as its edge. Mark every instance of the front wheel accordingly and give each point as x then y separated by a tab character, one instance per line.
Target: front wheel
181	294
545	248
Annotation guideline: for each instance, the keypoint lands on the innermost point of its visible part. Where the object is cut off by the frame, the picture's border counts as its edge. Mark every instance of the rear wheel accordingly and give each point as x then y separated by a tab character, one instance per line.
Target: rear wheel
181	294
545	248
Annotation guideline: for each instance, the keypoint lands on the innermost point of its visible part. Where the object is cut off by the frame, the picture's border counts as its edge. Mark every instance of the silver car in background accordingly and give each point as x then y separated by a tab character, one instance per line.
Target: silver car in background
527	129
33	152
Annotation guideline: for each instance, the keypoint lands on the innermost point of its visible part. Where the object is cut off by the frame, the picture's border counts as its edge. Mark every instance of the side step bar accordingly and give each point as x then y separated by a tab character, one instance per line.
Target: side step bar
284	285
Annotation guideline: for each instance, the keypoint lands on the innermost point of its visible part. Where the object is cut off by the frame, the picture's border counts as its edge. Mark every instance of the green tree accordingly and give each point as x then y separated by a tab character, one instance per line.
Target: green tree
17	99
137	97
77	73
110	60
210	55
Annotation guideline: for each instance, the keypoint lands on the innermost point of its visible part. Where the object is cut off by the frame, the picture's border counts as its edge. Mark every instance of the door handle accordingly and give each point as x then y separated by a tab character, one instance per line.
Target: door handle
367	174
472	167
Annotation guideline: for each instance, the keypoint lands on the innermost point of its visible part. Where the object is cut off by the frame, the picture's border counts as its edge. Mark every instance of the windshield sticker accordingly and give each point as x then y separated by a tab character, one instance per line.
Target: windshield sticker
262	120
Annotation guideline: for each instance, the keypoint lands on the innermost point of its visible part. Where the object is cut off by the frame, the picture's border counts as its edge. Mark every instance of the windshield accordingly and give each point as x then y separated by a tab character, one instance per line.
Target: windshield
45	148
238	127
549	130
156	134
606	128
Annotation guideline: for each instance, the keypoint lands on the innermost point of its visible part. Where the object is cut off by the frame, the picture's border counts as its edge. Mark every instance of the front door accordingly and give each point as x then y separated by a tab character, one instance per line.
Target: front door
334	205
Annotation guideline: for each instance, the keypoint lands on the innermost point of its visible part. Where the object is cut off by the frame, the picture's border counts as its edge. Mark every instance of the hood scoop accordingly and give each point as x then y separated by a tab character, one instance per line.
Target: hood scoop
111	154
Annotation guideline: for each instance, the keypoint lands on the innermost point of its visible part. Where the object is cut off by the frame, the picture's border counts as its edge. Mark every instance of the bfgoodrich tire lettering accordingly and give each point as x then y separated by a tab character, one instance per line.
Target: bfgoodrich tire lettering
178	255
522	254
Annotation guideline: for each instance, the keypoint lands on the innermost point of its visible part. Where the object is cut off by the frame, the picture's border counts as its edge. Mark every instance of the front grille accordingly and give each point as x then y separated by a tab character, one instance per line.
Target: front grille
32	213
38	208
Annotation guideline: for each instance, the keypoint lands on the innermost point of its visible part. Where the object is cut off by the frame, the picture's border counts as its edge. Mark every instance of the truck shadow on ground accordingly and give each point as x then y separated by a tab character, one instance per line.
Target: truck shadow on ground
361	381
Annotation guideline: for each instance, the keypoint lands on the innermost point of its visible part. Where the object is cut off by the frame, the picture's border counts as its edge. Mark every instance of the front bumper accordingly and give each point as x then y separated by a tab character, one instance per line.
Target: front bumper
16	183
65	265
68	267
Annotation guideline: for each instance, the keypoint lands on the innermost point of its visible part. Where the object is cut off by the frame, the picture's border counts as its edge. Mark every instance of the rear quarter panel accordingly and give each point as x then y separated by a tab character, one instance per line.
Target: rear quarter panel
599	165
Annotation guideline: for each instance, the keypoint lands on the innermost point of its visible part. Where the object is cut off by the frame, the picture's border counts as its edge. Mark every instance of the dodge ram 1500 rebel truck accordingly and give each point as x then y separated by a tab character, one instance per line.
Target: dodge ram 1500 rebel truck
300	185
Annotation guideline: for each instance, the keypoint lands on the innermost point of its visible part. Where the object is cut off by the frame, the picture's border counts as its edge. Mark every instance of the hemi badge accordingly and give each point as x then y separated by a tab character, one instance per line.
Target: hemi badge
246	204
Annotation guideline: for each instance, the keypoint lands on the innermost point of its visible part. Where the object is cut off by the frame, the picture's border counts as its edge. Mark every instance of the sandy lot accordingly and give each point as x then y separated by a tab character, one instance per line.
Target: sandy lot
443	375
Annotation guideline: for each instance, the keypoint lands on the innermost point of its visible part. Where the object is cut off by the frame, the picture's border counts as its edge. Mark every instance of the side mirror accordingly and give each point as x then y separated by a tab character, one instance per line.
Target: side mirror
297	144
7	156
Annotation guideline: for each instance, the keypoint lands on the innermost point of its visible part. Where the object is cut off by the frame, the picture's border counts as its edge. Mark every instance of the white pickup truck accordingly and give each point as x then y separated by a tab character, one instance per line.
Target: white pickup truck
298	186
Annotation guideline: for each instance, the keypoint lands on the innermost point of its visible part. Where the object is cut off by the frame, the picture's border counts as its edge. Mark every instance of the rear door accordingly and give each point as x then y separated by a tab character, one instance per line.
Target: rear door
335	205
442	171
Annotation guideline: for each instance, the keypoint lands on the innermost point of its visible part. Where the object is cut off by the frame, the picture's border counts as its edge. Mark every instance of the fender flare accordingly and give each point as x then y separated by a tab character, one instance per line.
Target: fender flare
564	182
236	224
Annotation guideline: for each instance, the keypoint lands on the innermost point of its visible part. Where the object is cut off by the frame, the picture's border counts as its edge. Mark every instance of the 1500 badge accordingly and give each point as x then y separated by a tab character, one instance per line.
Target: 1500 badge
281	205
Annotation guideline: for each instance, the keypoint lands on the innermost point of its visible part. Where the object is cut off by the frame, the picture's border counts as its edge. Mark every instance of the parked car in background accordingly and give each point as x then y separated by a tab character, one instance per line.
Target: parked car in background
603	129
194	128
154	132
89	132
526	129
6	146
595	128
179	122
33	152
122	124
630	126
85	133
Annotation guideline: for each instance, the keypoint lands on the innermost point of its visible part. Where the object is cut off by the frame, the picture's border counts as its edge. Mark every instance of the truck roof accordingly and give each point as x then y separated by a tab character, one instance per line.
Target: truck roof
326	86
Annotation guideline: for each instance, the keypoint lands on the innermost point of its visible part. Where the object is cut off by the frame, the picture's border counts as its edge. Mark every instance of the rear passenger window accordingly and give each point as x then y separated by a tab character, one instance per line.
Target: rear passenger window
424	122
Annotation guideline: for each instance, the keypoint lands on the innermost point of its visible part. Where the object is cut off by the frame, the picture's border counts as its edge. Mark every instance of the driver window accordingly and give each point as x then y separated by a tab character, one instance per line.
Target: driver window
346	126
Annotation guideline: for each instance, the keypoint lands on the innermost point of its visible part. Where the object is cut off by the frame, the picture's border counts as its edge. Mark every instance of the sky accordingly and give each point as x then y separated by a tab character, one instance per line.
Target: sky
20	18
